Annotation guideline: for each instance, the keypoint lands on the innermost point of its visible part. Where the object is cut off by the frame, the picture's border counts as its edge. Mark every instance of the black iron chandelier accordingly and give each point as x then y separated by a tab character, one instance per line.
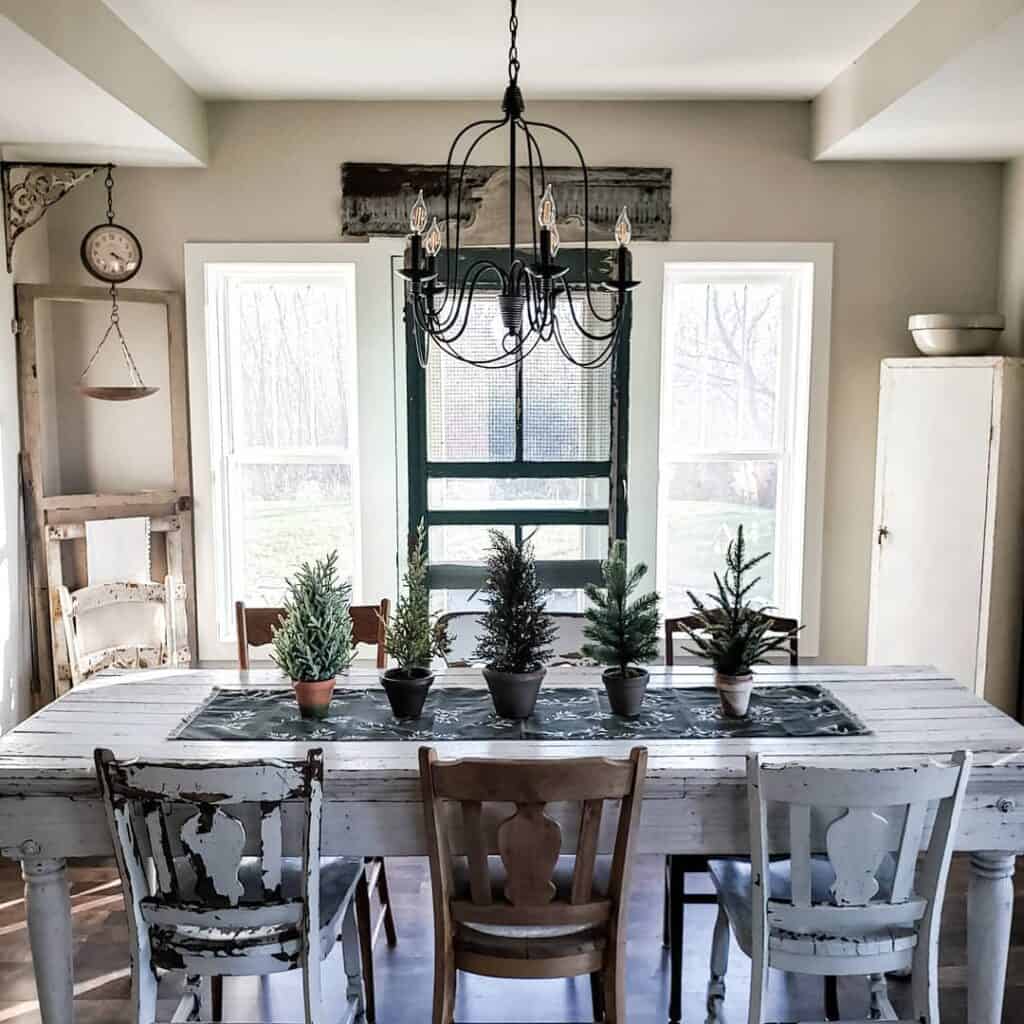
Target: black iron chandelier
533	298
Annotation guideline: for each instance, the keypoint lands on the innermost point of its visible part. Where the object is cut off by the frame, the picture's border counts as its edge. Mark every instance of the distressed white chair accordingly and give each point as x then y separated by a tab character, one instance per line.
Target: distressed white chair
865	907
225	900
108	625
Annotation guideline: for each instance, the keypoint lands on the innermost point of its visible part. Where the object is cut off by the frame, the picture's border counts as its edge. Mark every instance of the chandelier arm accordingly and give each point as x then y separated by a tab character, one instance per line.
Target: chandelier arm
532	148
597	362
533	191
493	125
503	361
615	319
477	268
586	211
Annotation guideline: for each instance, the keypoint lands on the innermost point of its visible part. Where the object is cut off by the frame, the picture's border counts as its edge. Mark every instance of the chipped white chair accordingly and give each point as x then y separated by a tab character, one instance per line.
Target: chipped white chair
865	907
124	626
226	901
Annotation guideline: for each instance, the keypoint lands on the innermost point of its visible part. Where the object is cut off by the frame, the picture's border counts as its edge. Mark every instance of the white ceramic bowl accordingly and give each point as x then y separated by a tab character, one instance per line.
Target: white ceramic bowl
956	334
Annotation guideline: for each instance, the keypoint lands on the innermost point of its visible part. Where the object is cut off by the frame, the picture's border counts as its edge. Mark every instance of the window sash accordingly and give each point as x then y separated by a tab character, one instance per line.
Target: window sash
789	428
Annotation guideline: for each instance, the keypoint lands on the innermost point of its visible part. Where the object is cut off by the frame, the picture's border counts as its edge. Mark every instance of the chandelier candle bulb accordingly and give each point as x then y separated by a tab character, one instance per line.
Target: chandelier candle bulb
623	229
546	212
418	215
432	241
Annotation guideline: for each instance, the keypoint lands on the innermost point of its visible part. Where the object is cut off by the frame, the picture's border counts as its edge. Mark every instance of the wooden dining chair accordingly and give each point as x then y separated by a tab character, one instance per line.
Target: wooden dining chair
864	907
678	866
223	898
506	904
255	628
99	632
779	626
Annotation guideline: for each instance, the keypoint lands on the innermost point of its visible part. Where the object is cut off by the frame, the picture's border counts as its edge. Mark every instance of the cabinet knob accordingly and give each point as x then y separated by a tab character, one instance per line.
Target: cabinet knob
883	532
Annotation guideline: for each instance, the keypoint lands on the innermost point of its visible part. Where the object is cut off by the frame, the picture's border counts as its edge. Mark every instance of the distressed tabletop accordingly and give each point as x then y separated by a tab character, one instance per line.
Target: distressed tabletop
694	801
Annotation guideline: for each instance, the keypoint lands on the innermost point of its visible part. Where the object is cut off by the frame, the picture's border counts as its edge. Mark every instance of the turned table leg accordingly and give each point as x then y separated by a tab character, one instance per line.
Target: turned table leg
48	905
989	914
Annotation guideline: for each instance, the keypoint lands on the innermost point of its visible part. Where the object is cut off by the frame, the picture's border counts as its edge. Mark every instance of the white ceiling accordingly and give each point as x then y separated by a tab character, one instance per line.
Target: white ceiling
970	109
573	49
50	110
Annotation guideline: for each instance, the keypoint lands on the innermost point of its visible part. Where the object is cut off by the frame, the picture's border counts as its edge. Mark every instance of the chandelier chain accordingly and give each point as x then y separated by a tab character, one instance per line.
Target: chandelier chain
109	183
513	49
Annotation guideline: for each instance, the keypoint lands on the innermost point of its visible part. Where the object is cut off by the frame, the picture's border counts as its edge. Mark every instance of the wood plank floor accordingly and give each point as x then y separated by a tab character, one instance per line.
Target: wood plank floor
404	975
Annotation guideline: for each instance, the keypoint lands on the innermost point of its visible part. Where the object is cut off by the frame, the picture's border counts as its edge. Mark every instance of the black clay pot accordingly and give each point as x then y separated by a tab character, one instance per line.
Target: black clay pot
514	693
407	690
625	693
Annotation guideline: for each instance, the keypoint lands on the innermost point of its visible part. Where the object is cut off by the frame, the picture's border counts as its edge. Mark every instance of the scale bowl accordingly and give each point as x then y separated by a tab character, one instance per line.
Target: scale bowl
117	393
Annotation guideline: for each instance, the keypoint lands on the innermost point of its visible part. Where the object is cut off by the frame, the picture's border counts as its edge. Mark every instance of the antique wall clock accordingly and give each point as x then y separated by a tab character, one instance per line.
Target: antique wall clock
110	251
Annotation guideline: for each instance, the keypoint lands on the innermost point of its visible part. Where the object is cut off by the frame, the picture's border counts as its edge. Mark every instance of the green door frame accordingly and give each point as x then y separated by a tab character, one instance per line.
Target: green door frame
564	574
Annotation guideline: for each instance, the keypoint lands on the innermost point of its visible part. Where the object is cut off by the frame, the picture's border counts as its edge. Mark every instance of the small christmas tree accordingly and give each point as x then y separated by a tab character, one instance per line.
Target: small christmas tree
516	631
414	636
731	633
623	633
314	640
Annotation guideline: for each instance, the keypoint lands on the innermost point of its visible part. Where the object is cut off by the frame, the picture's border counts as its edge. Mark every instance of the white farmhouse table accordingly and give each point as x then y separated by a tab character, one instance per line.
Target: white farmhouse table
695	800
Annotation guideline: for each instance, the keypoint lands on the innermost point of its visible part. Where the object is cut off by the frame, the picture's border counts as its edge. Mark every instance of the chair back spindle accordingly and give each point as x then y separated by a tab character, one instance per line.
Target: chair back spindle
255	627
779	625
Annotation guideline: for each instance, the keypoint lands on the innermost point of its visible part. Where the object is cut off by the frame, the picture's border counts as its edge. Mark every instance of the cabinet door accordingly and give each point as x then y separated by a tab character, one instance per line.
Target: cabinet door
929	543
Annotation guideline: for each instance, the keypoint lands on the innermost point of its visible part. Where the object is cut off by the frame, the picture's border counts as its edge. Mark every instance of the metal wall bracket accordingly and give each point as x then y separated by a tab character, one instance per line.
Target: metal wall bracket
30	189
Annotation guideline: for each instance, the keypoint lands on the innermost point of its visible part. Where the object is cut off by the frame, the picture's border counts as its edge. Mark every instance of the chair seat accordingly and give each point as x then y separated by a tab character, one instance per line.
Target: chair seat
732	879
527	941
338	878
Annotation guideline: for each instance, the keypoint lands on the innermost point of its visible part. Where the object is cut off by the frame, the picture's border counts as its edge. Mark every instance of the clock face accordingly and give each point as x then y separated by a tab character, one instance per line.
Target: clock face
111	253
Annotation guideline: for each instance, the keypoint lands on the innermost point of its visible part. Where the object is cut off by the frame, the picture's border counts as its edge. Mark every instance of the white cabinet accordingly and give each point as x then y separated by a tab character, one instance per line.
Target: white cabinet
947	573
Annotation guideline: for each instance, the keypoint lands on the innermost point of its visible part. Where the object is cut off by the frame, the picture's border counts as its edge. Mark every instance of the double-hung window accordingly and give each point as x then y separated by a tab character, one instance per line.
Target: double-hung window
282	369
535	450
293	422
735	399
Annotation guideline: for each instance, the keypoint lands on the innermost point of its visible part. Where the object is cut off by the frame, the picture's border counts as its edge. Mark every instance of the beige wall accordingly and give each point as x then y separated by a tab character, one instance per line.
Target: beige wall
1011	292
908	237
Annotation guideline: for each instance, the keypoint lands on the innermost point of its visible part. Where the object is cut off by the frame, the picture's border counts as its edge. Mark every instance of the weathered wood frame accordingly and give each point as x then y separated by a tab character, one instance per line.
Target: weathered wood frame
43	511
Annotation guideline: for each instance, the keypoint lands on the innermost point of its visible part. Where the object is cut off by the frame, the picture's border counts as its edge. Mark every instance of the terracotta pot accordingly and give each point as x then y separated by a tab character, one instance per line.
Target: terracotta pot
313	696
407	690
625	693
514	693
734	693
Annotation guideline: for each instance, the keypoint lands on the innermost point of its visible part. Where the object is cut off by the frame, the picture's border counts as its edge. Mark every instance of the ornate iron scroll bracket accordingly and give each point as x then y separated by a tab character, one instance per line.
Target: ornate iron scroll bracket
30	189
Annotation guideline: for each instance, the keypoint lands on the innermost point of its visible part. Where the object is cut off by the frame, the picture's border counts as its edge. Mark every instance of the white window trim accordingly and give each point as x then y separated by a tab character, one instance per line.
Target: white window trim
377	495
649	263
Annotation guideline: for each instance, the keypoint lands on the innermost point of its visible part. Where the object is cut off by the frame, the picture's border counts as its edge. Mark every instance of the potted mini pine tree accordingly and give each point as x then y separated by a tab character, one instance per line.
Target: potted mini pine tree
313	643
516	631
623	633
730	632
413	637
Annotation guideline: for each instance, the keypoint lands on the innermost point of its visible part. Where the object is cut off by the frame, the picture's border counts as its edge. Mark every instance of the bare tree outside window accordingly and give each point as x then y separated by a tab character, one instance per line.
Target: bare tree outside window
287	455
728	350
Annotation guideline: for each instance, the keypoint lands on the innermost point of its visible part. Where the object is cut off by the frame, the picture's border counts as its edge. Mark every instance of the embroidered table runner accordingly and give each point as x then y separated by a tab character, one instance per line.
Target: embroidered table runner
562	713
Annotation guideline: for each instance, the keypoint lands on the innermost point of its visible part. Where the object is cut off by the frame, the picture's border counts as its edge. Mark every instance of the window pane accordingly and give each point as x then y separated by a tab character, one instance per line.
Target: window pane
572	543
471	411
286	515
566	409
467	544
723	341
703	503
489	493
291	345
